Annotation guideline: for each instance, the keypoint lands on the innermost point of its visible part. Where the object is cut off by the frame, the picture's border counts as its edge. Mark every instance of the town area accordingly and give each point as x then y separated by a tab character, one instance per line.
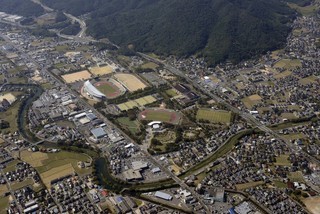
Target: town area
89	127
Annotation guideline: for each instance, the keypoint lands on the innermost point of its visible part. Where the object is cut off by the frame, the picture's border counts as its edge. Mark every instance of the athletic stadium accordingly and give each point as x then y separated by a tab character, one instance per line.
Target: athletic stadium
92	92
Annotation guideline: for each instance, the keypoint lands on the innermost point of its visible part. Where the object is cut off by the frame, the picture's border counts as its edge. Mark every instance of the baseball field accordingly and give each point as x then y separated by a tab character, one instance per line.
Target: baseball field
214	116
130	81
77	76
163	115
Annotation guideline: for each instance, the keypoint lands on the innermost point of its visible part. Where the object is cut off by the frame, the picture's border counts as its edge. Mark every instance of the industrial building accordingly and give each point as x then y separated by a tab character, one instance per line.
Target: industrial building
163	195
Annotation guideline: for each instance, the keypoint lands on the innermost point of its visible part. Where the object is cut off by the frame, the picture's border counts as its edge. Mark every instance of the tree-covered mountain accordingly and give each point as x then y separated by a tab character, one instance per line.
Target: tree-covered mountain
217	29
24	8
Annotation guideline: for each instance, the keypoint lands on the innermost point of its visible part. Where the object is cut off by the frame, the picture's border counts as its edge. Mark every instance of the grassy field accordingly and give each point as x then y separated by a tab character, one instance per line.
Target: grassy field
35	159
4	204
131	125
296	176
11	116
214	116
171	93
252	100
150	65
279	184
248	185
163	115
282	160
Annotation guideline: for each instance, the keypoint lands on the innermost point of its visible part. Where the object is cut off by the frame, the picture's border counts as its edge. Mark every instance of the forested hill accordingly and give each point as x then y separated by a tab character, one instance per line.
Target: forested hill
24	8
217	29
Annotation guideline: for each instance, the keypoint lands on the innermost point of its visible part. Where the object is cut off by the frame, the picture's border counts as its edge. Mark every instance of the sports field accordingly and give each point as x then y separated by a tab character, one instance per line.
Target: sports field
163	115
103	70
110	89
77	76
214	116
283	74
142	101
130	81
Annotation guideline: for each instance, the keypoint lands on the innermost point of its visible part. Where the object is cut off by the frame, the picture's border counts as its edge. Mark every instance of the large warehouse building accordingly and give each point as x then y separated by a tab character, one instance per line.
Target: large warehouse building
92	91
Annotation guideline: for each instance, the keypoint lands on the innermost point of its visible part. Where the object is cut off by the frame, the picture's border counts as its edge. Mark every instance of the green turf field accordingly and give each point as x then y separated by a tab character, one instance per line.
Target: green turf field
171	93
106	89
214	116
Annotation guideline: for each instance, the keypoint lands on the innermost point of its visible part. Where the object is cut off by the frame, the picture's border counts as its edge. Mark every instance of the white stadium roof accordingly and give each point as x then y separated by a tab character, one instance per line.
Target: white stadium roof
92	90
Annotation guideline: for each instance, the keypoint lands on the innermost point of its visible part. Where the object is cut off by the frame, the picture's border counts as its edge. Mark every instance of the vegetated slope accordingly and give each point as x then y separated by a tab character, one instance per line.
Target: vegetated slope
24	8
217	29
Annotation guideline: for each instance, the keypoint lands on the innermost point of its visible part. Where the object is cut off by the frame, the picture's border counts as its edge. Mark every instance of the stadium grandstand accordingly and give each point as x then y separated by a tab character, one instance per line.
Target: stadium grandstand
92	91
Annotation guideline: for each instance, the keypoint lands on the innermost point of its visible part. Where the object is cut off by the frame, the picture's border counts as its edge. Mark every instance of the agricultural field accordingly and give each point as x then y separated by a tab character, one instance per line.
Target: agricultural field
308	80
142	101
77	76
3	189
163	115
288	63
132	125
283	74
214	116
62	158
103	70
56	173
130	81
110	89
4	203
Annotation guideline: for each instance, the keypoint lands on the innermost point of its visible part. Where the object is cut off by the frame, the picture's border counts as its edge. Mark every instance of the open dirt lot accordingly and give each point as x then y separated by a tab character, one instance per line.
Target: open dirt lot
130	81
101	70
34	158
56	173
77	76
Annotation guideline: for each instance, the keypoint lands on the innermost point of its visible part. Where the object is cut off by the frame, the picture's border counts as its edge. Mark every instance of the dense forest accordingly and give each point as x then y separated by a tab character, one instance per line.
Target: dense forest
216	29
21	7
